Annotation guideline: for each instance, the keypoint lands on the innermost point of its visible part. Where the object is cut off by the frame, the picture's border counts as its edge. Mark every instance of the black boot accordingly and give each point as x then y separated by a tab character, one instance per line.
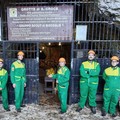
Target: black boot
103	113
23	105
114	115
18	110
93	110
62	112
87	104
8	109
78	109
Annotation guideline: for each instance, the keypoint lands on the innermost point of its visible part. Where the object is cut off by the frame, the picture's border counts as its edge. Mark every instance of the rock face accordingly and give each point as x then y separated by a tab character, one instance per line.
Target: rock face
110	8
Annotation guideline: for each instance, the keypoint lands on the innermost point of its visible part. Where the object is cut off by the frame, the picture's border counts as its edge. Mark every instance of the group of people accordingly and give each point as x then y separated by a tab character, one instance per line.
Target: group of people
18	80
89	80
89	71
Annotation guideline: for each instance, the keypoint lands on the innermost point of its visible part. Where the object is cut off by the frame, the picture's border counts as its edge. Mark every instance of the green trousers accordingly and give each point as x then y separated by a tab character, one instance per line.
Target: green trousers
110	100
62	94
19	93
5	98
87	92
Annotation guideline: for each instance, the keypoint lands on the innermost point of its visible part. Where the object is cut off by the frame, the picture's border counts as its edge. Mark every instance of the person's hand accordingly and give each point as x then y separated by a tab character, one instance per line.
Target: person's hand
24	84
14	85
50	75
0	88
87	72
56	81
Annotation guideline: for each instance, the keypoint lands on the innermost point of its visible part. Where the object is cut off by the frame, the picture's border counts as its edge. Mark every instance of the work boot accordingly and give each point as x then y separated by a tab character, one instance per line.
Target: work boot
87	105
103	113
93	110
62	112
23	105
18	110
114	115
78	109
8	109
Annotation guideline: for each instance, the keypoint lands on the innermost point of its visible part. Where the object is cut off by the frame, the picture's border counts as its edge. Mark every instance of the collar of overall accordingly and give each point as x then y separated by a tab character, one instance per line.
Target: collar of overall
19	61
114	67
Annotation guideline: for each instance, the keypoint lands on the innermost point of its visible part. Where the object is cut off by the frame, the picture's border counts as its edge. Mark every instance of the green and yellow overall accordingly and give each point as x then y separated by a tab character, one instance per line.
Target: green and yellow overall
89	71
111	93
63	76
18	77
3	82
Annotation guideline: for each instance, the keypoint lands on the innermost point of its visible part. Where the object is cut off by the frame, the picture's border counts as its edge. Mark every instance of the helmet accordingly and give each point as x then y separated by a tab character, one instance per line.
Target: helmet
1	60
62	60
20	53
91	51
114	58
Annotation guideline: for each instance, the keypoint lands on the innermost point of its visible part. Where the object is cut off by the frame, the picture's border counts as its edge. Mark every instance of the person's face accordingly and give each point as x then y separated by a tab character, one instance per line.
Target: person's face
114	63
62	64
20	57
91	56
1	64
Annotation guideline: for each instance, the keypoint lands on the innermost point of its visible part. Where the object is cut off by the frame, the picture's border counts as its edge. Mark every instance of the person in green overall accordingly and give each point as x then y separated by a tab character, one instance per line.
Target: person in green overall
111	93
89	72
62	78
18	79
3	86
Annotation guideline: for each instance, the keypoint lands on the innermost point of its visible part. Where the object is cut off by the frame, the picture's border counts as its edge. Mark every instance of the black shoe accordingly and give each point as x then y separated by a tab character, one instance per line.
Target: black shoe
8	109
114	115
18	110
62	112
78	109
23	105
93	110
87	105
103	113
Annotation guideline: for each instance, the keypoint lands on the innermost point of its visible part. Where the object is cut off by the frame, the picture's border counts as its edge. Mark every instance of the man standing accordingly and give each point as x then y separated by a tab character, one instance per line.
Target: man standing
111	93
18	79
62	77
89	71
3	86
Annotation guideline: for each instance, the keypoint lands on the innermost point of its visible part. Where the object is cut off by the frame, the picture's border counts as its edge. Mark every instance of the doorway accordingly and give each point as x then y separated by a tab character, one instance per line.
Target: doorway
49	54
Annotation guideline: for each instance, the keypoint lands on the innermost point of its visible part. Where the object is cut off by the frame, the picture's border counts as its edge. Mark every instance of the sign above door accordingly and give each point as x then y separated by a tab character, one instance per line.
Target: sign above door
41	23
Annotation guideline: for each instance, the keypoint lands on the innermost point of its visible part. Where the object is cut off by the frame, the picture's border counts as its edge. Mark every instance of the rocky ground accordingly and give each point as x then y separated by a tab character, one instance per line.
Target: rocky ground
49	110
